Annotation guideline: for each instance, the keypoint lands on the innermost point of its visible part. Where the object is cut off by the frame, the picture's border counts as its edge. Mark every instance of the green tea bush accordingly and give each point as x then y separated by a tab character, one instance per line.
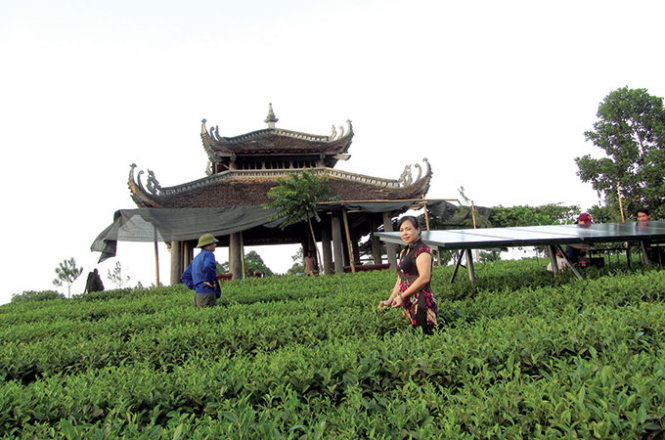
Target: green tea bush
523	354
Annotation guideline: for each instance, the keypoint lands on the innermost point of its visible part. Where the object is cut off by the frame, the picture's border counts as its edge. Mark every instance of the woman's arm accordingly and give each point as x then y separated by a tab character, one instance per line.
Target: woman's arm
393	295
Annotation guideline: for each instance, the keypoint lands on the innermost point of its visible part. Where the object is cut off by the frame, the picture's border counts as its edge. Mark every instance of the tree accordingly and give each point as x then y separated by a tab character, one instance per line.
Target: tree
116	276
552	214
253	262
31	295
67	273
295	197
631	132
297	268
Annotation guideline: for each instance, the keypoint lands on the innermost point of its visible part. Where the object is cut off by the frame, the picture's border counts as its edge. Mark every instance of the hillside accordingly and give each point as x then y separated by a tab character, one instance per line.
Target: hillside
526	356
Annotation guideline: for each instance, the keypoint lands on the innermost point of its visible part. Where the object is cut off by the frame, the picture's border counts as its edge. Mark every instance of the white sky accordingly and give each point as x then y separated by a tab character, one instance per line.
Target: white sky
497	95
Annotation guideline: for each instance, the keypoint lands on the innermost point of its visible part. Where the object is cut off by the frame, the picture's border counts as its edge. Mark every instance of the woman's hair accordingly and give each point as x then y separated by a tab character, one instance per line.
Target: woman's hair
412	219
644	210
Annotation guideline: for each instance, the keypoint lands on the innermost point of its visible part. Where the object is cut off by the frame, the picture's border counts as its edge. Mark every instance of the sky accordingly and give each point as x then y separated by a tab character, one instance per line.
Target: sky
496	95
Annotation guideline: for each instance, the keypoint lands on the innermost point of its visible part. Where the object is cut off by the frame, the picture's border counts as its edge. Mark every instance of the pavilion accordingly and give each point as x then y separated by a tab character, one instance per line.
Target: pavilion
228	201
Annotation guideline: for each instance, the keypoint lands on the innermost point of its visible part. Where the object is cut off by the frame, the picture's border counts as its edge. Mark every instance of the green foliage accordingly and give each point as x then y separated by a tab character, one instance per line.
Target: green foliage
253	263
296	196
607	213
31	295
297	268
631	132
551	214
489	256
501	217
67	273
527	355
116	276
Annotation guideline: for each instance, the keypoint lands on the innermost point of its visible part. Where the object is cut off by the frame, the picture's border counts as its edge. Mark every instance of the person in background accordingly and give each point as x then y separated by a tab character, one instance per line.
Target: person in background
575	251
310	264
94	282
642	215
412	290
654	253
201	274
561	262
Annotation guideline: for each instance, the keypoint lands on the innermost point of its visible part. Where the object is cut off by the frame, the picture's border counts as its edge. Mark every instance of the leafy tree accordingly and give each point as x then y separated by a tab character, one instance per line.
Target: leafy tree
67	273
297	268
36	296
489	256
552	214
295	197
116	276
604	214
253	262
631	132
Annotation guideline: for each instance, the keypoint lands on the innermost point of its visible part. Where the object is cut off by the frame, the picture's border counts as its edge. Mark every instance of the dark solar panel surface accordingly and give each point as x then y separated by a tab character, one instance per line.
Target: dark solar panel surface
537	235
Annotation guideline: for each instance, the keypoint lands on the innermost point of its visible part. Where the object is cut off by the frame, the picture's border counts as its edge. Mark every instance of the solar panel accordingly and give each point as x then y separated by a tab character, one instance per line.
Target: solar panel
537	235
550	235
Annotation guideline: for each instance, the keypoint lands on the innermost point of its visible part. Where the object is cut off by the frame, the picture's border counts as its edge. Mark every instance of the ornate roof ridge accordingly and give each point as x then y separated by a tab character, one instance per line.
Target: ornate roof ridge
154	188
335	136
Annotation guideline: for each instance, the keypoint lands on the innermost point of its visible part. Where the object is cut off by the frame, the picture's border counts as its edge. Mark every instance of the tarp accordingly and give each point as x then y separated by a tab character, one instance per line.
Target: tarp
456	215
178	224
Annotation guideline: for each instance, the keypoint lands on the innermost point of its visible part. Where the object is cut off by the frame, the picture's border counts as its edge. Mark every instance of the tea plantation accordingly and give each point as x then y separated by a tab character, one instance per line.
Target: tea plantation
525	355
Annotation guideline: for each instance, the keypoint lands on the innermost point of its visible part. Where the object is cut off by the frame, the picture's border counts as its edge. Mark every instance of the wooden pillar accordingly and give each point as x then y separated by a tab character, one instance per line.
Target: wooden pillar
349	245
187	252
157	281
356	249
375	243
176	263
337	244
235	255
327	250
390	248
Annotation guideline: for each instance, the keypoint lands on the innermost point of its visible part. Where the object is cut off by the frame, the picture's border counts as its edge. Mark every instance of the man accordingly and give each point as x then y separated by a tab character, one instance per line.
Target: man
653	252
201	275
642	215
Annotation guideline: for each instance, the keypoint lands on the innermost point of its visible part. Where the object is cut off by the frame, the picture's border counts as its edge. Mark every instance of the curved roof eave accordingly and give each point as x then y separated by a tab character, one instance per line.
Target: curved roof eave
338	142
156	196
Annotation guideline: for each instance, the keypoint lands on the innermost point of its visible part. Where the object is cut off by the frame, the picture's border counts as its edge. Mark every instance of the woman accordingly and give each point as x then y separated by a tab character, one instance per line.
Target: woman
576	251
412	289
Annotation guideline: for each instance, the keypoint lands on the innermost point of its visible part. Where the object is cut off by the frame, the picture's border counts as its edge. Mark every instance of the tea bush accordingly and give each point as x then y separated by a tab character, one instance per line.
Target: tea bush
522	355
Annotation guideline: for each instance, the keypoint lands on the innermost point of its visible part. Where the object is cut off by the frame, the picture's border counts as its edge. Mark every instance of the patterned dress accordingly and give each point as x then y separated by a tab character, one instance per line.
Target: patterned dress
420	308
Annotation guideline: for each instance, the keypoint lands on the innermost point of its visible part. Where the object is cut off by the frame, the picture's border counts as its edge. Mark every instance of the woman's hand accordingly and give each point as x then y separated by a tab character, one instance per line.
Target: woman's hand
398	301
384	304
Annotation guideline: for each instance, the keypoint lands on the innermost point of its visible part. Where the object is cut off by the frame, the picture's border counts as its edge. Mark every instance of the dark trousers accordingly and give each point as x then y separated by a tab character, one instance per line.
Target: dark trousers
205	299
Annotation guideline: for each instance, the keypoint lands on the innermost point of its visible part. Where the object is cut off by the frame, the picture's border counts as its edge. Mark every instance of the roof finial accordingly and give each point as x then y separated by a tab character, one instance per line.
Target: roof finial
271	119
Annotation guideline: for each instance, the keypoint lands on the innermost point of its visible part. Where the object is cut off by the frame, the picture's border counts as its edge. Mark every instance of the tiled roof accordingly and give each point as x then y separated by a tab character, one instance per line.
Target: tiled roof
273	141
251	187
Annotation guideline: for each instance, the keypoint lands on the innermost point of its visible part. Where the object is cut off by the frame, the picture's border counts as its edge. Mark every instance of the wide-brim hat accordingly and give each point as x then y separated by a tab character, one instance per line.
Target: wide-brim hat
205	240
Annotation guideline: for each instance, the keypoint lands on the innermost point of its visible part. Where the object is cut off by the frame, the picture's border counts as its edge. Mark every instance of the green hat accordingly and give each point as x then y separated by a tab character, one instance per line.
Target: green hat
205	240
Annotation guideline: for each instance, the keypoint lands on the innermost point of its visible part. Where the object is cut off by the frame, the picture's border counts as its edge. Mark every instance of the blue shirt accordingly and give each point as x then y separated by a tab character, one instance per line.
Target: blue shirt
202	270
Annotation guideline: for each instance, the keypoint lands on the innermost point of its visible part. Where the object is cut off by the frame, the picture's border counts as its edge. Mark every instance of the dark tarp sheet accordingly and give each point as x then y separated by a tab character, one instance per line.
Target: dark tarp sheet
149	225
164	224
456	215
